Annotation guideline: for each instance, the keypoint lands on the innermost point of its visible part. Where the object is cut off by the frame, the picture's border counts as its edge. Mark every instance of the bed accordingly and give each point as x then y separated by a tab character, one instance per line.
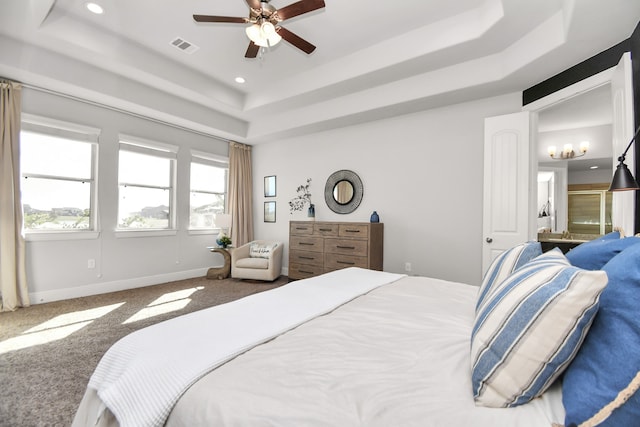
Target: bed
352	347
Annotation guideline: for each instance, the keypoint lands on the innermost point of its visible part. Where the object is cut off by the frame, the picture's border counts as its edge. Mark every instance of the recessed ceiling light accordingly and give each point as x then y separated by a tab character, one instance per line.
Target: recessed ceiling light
95	8
240	80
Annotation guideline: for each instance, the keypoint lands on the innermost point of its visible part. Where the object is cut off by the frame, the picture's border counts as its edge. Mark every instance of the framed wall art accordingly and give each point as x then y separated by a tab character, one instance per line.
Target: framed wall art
269	211
270	186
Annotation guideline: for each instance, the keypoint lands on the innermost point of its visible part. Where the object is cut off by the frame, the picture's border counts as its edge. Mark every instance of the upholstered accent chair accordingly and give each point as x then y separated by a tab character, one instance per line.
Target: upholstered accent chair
257	260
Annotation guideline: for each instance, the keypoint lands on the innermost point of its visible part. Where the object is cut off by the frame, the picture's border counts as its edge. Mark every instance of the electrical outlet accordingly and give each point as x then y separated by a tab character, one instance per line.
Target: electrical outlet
91	263
407	266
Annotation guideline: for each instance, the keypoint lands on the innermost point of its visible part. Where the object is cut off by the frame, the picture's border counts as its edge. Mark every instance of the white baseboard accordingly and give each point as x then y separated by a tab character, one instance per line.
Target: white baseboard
117	285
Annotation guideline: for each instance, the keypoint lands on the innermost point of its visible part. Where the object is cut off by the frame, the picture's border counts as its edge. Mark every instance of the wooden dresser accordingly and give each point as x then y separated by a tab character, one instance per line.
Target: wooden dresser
320	247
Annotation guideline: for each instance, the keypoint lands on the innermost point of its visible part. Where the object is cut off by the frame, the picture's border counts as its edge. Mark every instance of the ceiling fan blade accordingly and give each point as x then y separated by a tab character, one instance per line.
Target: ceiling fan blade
252	50
298	8
295	40
254	4
211	18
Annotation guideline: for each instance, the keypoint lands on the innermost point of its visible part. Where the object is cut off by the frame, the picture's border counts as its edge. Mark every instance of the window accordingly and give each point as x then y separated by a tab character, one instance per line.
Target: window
146	178
209	177
57	163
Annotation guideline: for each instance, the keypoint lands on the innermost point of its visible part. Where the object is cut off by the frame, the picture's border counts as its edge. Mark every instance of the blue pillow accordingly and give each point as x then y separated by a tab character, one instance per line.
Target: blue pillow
610	355
614	235
505	264
596	253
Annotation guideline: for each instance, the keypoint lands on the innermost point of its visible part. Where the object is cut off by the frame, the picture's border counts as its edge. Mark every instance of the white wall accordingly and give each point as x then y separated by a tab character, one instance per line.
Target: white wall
58	269
422	173
599	176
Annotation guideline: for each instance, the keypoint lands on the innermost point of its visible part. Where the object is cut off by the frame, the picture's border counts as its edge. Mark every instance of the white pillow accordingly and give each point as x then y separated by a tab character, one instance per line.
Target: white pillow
257	250
529	329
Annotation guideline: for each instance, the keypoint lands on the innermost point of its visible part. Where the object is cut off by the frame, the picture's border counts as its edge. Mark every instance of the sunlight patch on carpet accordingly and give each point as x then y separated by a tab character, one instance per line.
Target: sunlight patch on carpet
56	328
172	301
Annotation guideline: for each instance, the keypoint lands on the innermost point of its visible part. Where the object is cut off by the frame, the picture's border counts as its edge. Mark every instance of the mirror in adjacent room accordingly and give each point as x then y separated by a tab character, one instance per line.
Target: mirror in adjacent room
574	191
343	191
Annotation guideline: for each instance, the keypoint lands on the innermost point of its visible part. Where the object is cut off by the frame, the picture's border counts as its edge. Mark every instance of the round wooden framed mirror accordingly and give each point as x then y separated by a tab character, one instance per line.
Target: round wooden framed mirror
343	191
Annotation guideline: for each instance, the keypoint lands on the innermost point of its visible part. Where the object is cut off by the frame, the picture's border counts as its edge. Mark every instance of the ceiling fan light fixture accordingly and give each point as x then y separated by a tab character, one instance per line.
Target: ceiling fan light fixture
253	32
259	36
274	39
267	29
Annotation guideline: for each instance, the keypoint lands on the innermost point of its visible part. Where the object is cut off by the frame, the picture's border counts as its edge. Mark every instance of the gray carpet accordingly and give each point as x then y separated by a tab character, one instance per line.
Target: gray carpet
42	383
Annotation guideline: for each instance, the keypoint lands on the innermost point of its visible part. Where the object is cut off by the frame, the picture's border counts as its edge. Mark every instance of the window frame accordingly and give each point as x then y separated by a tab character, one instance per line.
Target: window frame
77	133
157	149
214	160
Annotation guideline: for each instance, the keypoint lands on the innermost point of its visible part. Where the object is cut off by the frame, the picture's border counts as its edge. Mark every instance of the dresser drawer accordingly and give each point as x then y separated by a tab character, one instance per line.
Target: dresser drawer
303	243
301	228
354	230
302	271
337	261
326	229
346	247
305	257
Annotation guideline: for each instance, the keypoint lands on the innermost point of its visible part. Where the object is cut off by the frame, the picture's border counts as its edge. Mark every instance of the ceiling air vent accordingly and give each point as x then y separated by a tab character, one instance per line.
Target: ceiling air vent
184	45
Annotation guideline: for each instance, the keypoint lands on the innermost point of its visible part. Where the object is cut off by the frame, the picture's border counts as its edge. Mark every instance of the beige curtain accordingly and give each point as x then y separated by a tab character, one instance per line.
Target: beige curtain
13	277
240	194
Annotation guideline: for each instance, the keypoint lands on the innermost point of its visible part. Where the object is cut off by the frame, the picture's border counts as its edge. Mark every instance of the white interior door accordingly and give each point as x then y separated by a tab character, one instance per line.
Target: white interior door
623	203
506	208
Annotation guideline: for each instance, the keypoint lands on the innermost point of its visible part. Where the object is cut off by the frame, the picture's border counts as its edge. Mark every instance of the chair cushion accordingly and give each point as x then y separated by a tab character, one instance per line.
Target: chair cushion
608	359
505	264
529	329
258	250
261	263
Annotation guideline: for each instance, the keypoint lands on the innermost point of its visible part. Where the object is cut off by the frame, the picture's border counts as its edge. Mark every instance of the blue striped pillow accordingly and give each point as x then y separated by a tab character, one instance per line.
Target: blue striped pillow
529	329
553	256
505	264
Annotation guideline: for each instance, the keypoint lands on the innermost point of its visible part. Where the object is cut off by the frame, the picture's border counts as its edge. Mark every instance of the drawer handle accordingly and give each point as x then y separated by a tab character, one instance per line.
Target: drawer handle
307	257
346	262
352	231
324	229
302	228
346	247
307	244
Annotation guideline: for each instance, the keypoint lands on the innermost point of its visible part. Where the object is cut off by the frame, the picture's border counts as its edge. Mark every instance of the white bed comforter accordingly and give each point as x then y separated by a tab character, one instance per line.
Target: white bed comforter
398	356
142	376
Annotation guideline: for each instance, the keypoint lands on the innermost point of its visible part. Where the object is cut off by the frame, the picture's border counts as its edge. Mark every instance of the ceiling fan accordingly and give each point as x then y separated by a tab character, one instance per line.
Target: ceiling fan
265	30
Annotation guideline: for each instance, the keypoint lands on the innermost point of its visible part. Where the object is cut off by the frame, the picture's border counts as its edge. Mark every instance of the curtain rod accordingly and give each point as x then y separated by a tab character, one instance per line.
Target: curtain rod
121	110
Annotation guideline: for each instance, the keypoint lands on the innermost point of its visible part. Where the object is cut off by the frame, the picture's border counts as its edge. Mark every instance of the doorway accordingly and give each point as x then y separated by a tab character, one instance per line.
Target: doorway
609	89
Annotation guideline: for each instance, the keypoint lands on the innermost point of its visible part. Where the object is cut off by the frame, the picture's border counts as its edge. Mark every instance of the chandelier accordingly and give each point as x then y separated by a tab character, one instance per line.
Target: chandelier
568	152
